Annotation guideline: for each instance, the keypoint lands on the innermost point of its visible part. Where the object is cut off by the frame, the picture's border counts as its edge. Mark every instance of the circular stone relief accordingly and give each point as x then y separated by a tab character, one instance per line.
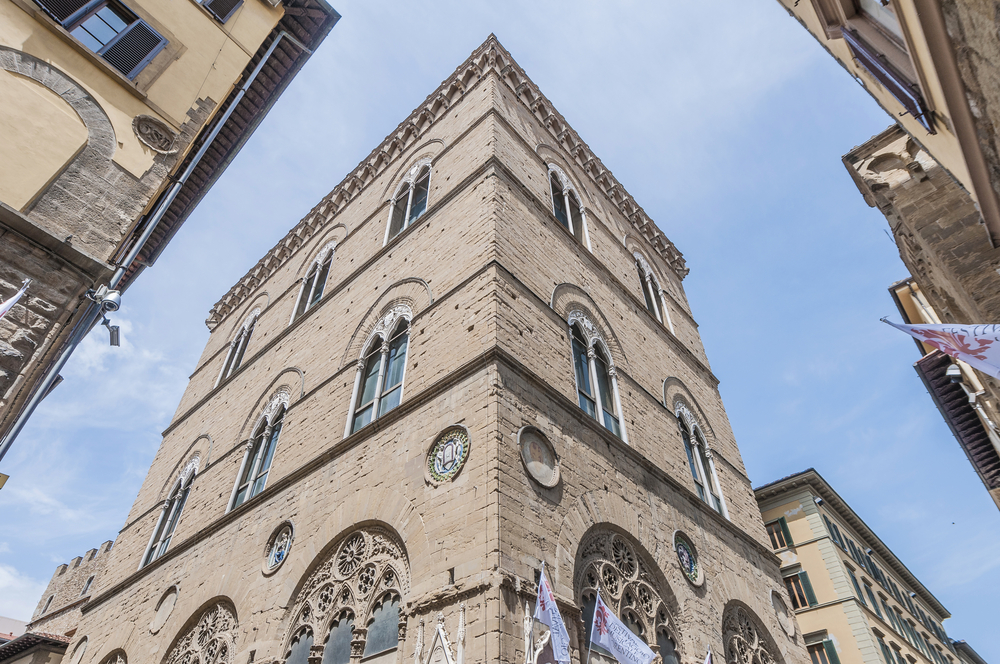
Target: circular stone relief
163	609
538	456
278	547
154	134
784	618
688	559
448	455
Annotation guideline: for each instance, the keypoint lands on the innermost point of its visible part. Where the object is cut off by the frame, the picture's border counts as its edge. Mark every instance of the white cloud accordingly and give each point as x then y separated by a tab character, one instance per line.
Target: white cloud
19	593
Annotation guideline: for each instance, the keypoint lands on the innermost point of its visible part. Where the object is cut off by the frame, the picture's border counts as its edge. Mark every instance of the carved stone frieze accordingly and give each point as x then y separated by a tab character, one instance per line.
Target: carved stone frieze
211	639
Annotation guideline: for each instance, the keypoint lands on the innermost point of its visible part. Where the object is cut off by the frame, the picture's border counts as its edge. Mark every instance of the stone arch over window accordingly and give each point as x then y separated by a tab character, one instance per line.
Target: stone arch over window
652	292
612	562
116	657
170	513
238	346
381	368
209	636
260	448
567	204
412	292
567	297
314	283
349	601
79	651
701	461
595	373
409	200
201	447
746	641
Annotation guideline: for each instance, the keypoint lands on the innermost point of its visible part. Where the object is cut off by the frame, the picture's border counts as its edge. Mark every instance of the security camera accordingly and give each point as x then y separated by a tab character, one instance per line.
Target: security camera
111	301
954	373
819	501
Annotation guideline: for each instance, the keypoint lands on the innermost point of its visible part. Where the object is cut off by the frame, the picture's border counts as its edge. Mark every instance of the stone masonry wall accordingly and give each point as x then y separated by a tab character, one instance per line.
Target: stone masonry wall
67	591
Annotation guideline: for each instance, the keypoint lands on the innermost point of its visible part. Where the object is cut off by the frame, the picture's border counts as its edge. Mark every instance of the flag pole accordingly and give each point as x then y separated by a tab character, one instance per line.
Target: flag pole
590	644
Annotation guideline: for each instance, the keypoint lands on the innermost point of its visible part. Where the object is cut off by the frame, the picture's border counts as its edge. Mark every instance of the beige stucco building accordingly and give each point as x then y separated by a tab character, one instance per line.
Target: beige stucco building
117	116
473	357
854	600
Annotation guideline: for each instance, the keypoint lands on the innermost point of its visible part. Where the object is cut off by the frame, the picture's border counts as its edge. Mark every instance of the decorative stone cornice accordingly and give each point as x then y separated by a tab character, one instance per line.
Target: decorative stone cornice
489	56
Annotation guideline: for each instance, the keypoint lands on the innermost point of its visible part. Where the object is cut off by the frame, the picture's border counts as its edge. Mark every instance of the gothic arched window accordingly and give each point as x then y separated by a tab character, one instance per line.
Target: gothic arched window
337	649
238	347
315	281
410	200
378	385
260	451
170	514
383	626
299	651
700	461
746	642
566	205
596	378
651	292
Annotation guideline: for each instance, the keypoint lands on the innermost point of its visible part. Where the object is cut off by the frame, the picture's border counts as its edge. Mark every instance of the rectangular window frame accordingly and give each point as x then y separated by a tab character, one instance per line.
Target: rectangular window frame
779	527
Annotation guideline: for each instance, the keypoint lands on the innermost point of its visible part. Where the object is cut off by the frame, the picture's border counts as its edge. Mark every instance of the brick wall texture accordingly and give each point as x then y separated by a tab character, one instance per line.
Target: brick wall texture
490	276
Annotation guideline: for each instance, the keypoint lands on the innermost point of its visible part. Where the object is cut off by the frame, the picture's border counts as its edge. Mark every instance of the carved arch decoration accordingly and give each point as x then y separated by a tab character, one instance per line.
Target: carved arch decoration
677	398
427	151
746	641
194	452
411	175
364	568
568	298
409	297
267	405
259	303
209	639
116	657
630	583
334	235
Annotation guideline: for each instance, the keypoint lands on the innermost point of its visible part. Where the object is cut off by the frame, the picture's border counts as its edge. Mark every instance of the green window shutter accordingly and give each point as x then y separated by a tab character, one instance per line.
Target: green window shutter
807	587
784	531
831	652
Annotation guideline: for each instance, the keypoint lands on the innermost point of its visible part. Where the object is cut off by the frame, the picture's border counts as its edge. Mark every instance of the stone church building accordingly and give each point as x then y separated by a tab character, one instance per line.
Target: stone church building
473	357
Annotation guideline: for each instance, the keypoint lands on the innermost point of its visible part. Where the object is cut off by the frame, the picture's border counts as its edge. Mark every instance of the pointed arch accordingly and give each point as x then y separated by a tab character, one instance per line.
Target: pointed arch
238	346
210	635
567	204
701	460
260	449
410	199
170	513
745	638
412	292
314	283
567	297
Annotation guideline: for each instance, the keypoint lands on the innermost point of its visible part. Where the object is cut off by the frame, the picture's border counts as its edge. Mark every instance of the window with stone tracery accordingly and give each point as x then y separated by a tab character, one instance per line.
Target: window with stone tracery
566	205
410	200
378	384
630	585
313	285
352	599
259	453
651	291
596	377
746	642
238	347
170	514
700	460
211	639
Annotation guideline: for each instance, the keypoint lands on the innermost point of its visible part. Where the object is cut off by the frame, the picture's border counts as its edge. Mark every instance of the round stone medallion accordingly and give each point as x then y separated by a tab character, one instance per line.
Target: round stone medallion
688	559
448	455
278	547
538	456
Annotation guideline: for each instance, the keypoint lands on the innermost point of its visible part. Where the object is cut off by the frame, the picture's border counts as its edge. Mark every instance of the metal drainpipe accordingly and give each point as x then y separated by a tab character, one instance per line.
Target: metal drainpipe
98	306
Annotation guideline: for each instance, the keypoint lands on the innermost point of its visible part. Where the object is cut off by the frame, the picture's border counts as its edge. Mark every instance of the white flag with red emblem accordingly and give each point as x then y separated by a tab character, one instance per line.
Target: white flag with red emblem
612	635
547	613
976	345
9	304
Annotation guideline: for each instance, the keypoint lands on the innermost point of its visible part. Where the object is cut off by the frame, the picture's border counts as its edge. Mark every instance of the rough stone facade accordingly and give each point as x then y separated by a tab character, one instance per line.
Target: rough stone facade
70	588
488	279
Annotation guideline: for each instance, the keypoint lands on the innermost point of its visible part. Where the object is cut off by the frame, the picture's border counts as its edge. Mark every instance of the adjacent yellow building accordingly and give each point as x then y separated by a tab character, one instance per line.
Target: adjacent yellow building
116	118
854	600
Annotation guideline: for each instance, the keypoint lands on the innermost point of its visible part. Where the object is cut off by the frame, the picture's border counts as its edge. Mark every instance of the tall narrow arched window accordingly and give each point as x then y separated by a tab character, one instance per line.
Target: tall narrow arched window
383	627
651	292
566	205
238	347
378	384
596	377
337	649
299	651
315	281
700	460
410	200
259	452
170	514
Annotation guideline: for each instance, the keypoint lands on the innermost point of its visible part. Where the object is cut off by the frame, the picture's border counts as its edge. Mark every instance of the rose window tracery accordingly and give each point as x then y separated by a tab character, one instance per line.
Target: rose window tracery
746	643
211	640
609	563
363	573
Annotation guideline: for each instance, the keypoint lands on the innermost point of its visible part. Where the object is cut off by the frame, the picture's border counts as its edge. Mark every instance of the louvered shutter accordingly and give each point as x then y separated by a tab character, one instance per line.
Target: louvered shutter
222	9
133	48
831	652
61	10
807	588
784	531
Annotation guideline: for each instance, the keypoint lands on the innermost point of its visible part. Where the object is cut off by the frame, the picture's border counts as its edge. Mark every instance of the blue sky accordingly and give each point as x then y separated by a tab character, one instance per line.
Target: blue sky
726	125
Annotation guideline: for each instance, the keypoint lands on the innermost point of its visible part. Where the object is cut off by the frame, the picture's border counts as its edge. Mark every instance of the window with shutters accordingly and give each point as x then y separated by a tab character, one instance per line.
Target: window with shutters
410	200
871	597
857	586
823	653
109	29
222	10
800	590
777	531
